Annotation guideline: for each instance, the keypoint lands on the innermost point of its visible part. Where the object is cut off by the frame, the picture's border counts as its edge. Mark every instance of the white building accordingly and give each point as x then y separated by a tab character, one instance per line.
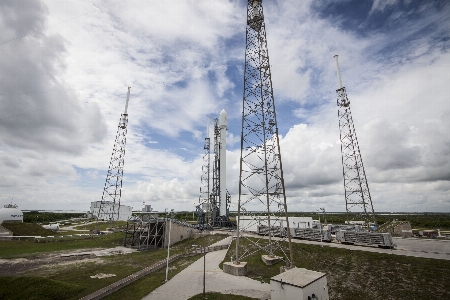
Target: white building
299	283
124	211
10	213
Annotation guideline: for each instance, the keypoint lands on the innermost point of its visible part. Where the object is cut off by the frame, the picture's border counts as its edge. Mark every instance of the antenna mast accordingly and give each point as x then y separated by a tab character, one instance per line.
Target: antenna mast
109	208
358	202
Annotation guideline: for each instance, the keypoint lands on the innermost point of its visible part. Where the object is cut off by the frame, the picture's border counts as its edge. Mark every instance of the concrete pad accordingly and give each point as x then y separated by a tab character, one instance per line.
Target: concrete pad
234	269
270	260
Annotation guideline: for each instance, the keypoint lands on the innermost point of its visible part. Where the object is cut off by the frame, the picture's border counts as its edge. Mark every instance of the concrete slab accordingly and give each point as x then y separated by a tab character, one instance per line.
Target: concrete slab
270	260
235	270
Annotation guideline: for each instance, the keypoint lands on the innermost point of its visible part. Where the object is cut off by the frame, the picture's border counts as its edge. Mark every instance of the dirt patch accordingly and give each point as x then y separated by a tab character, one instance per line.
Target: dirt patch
44	262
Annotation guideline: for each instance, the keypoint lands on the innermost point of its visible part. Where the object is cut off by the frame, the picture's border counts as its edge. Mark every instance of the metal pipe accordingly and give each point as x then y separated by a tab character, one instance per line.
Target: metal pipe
338	72
128	99
168	245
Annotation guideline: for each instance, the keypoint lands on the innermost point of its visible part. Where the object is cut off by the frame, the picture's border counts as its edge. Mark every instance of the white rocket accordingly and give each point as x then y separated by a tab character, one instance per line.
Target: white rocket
223	125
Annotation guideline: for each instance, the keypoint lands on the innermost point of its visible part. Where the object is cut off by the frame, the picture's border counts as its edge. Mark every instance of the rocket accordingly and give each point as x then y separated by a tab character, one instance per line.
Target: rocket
223	125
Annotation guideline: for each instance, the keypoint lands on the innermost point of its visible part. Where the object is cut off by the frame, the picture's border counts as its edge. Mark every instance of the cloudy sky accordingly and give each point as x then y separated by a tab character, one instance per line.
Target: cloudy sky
65	67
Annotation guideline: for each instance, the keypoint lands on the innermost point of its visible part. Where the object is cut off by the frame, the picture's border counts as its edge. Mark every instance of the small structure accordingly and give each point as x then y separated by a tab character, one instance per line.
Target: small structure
299	283
106	208
403	229
235	269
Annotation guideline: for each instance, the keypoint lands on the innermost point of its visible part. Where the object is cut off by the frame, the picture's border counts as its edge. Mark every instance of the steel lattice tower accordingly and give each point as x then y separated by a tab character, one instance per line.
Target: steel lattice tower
203	199
261	183
358	202
110	205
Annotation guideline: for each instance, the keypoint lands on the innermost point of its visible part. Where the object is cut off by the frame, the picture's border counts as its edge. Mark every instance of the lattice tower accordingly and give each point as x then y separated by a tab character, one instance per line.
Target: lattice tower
109	208
203	209
261	183
358	202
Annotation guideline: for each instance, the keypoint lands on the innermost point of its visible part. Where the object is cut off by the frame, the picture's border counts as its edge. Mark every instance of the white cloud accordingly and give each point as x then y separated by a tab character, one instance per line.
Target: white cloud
380	5
60	101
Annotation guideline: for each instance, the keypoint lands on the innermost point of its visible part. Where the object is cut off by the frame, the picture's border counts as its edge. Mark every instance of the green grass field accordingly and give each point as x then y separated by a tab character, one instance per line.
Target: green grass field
72	281
27	229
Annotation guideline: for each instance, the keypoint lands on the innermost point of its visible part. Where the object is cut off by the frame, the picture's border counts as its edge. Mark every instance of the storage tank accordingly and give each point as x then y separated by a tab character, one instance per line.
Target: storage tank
10	213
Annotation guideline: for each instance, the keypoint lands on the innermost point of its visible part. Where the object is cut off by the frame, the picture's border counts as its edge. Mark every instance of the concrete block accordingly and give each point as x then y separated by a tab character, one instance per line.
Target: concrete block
270	260
236	270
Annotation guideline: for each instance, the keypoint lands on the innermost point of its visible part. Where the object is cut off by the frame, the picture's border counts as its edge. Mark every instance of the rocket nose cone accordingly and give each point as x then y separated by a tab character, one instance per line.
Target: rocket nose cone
223	119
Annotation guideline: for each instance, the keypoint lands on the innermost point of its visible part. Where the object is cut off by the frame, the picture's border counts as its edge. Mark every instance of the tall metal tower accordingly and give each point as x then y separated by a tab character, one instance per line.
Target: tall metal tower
109	208
204	207
358	202
261	183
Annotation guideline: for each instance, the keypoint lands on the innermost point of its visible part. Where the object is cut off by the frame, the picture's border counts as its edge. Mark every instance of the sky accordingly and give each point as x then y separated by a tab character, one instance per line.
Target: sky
65	67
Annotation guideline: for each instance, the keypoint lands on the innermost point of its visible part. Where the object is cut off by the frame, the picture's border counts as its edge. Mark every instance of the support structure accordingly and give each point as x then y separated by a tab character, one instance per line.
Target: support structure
204	207
145	232
261	183
358	202
109	208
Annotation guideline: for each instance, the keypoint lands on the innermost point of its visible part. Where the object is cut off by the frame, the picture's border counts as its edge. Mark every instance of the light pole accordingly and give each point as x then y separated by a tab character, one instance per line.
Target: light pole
168	244
204	265
320	224
324	215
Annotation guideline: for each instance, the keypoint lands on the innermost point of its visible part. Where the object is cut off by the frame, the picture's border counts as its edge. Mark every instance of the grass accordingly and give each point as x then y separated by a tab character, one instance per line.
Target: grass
146	285
218	296
363	275
75	278
149	283
36	288
101	225
27	229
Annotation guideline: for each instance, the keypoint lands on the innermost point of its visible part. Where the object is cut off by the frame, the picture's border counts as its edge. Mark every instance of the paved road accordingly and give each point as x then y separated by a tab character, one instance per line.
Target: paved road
189	282
425	248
